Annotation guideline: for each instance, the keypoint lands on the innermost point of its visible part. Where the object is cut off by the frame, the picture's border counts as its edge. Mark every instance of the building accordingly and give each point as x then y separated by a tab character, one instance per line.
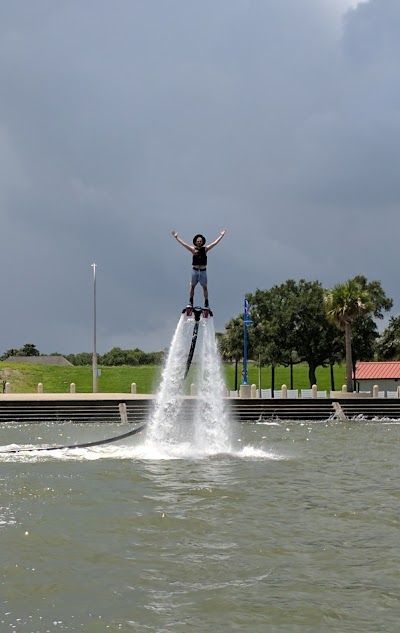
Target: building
384	374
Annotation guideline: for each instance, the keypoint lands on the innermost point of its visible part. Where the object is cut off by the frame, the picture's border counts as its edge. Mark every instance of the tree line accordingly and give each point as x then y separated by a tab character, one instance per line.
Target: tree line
298	322
115	356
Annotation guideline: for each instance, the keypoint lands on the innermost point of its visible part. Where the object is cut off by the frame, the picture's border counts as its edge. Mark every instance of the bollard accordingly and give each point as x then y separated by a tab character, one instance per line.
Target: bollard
253	391
123	414
7	388
284	391
344	389
40	387
245	391
314	393
72	388
375	391
193	390
133	387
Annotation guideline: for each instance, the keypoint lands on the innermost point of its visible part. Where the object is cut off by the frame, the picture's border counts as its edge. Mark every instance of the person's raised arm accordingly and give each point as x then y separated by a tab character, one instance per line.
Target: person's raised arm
176	236
215	242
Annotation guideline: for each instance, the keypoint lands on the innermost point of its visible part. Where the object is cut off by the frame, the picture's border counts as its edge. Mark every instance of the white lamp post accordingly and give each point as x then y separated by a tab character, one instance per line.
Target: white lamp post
94	363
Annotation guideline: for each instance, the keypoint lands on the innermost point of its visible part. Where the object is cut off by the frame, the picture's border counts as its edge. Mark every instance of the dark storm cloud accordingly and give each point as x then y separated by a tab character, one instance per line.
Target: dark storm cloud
122	121
353	146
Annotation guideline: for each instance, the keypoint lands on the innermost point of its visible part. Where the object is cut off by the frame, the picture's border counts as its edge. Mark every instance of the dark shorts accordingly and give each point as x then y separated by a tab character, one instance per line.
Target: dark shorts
199	276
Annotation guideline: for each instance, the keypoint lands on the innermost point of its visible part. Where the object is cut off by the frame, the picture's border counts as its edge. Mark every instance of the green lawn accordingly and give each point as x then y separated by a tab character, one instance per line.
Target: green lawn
24	378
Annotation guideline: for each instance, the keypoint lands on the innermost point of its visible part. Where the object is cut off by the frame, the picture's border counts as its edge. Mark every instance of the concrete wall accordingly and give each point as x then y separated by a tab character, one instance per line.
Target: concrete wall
384	385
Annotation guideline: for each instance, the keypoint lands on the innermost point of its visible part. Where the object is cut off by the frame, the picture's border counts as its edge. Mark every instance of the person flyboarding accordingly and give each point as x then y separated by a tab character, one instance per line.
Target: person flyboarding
199	251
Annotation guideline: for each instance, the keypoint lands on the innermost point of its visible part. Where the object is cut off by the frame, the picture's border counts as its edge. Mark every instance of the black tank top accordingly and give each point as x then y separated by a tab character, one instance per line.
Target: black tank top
200	257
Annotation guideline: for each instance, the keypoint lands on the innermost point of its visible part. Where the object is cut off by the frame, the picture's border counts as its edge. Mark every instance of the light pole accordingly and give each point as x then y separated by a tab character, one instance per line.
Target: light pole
94	361
246	321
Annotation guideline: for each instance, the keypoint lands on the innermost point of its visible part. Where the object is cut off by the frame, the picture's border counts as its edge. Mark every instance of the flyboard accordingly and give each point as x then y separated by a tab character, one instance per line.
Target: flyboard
197	313
191	312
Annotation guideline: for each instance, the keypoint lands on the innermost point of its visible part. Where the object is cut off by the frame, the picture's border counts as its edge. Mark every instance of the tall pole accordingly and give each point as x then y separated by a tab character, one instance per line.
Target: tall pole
94	362
246	322
244	377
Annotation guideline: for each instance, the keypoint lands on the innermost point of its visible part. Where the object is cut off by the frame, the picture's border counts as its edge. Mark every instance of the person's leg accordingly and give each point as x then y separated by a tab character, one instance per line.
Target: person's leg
193	284
203	281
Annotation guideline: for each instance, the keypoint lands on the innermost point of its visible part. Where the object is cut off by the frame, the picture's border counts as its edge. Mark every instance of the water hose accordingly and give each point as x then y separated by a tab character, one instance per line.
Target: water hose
108	440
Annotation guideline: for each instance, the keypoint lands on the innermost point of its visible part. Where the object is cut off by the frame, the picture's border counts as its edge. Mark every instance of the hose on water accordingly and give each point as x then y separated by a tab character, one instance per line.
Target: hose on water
108	440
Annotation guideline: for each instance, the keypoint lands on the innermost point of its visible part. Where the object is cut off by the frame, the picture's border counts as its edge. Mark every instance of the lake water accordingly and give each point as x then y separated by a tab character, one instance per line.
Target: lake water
294	527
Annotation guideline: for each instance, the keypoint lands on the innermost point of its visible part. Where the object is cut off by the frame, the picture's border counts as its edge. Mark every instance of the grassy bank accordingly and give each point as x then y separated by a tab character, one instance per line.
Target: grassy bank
24	378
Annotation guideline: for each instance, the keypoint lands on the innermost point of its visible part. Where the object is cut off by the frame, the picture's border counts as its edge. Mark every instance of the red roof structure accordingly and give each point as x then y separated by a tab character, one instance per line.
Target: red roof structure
375	371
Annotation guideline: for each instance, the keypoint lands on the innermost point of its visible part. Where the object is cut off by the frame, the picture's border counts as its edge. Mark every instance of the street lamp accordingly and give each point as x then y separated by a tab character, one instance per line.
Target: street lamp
94	360
246	321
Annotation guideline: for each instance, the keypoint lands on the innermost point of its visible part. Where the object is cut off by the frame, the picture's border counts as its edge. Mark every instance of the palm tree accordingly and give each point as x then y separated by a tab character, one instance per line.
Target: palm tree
344	303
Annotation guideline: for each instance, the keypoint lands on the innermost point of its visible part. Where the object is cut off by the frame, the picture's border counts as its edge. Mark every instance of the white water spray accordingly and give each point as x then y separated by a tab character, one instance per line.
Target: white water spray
169	398
211	422
178	424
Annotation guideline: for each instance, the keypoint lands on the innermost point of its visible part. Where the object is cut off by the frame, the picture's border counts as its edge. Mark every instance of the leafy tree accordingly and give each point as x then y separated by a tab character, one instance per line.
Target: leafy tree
380	301
336	352
269	315
388	346
116	356
138	357
363	342
290	322
84	358
29	349
313	336
365	331
8	353
155	358
349	301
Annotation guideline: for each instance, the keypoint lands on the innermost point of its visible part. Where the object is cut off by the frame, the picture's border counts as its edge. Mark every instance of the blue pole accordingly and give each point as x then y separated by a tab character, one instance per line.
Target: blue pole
246	322
244	378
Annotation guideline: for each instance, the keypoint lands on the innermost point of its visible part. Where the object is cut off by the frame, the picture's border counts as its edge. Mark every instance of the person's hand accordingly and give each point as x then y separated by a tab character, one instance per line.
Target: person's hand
174	234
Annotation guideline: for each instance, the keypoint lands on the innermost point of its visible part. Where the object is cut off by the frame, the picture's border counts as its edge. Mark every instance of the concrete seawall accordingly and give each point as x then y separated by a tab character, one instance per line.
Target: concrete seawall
133	408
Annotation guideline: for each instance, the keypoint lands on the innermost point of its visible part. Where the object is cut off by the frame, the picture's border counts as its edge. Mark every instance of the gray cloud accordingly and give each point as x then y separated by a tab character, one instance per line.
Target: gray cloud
122	121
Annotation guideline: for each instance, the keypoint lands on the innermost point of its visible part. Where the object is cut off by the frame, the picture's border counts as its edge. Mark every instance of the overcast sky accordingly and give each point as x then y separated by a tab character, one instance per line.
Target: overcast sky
121	120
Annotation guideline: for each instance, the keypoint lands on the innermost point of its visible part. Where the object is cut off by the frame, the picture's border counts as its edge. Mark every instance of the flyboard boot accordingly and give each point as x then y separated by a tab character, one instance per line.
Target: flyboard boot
189	308
206	310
